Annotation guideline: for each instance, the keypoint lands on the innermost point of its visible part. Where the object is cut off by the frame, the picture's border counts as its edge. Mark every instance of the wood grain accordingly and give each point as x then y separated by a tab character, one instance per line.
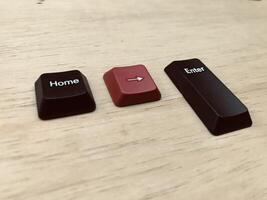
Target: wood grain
152	151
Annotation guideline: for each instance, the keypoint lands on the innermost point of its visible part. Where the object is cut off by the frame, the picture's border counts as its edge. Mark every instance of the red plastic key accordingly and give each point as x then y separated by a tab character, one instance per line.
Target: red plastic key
131	85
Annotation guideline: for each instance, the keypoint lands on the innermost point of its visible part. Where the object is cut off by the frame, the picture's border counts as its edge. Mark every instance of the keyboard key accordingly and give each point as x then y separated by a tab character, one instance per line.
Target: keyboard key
63	94
218	108
131	85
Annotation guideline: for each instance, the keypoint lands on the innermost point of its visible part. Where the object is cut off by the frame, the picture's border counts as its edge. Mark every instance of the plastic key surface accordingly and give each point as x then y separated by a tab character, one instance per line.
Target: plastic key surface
131	85
62	94
218	108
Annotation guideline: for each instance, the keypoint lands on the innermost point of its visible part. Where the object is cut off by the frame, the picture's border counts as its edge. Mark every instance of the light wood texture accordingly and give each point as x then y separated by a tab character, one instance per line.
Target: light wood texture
153	151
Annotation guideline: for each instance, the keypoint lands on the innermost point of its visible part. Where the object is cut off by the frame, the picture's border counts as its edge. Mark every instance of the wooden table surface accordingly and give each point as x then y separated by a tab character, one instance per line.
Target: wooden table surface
152	151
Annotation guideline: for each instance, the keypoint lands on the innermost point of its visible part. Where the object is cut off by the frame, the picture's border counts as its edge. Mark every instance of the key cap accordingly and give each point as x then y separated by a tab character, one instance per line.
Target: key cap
218	108
62	94
131	85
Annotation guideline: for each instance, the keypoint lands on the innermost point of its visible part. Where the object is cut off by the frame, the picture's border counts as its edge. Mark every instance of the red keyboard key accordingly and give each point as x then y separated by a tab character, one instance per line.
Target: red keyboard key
131	85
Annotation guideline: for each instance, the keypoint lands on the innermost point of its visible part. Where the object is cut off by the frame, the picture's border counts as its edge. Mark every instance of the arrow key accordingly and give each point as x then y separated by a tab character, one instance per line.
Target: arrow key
131	85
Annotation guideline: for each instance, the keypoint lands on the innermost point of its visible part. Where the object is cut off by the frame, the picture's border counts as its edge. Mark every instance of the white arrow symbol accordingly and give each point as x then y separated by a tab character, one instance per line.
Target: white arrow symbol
138	78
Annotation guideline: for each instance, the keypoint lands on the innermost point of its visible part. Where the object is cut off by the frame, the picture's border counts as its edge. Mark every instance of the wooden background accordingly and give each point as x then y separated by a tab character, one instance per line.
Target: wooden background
153	151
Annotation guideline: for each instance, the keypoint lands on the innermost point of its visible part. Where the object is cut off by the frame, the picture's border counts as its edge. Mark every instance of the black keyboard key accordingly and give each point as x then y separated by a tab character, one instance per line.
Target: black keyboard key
218	108
63	94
